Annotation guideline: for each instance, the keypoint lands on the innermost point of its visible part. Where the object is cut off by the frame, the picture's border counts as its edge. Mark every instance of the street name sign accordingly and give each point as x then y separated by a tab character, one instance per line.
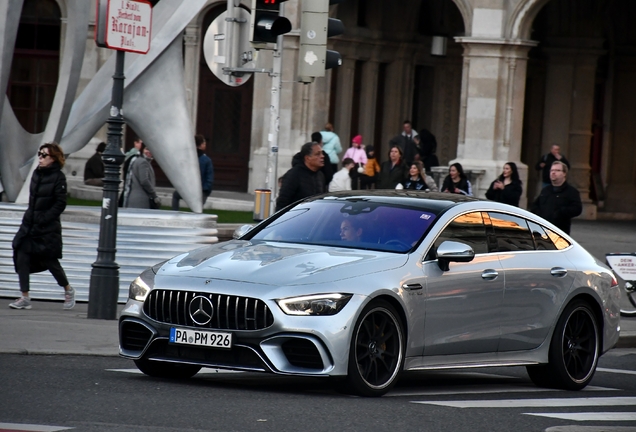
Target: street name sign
124	25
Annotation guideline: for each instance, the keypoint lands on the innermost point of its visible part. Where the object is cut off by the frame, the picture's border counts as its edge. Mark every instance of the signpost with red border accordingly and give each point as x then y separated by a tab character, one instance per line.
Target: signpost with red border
122	25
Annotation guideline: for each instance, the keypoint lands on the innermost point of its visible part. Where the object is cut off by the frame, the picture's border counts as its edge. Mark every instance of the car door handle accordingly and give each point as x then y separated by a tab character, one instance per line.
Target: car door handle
558	271
490	274
412	287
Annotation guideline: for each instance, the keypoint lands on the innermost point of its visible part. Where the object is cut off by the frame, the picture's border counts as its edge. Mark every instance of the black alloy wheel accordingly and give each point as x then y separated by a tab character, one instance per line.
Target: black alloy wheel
574	350
377	350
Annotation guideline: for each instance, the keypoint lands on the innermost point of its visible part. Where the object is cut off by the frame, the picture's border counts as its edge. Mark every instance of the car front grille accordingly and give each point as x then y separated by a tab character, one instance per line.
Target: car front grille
229	312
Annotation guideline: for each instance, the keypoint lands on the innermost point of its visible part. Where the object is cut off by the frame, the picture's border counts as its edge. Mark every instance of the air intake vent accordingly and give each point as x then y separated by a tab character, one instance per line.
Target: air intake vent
302	353
227	312
134	336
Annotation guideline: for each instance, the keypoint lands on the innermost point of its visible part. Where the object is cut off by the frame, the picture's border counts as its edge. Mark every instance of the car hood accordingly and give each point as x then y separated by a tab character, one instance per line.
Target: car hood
279	264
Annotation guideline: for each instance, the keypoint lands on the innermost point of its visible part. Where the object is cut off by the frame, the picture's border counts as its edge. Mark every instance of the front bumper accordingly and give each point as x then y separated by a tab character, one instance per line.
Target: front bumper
292	345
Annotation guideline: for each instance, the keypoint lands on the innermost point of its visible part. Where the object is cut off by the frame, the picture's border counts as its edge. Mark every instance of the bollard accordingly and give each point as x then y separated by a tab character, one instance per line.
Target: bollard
262	204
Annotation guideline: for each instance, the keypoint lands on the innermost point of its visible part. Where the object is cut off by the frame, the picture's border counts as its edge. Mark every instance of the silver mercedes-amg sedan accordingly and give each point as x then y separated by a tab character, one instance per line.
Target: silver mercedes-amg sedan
364	285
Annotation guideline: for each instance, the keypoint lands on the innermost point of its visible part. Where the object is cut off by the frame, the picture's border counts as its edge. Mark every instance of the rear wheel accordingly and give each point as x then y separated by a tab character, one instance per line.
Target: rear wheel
574	350
377	351
167	370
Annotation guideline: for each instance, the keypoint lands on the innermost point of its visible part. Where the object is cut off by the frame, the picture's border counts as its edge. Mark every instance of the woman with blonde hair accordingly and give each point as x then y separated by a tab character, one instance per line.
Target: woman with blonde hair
37	246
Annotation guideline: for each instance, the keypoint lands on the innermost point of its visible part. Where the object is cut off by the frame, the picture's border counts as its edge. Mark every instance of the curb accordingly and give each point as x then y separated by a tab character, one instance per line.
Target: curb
627	340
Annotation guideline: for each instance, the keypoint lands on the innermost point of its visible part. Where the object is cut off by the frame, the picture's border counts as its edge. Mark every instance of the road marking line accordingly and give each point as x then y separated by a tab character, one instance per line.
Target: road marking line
464	390
589	416
525	403
486	389
14	427
202	371
617	371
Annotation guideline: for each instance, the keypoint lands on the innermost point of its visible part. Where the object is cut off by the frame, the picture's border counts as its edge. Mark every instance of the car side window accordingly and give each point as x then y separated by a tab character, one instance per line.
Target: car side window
512	232
559	242
469	229
541	239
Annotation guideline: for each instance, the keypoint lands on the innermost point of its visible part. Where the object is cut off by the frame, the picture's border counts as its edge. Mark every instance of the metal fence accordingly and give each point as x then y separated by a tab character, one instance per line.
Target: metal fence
144	238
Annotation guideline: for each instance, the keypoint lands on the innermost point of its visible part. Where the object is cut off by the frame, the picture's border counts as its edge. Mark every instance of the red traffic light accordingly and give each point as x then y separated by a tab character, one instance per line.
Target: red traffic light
268	4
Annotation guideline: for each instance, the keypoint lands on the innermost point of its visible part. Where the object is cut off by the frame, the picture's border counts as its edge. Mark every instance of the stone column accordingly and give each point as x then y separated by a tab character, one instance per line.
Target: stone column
368	100
569	105
492	101
344	101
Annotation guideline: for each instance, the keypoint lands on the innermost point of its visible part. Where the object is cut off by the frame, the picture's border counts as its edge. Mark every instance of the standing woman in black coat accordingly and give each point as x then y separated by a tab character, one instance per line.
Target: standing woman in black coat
38	244
393	171
507	187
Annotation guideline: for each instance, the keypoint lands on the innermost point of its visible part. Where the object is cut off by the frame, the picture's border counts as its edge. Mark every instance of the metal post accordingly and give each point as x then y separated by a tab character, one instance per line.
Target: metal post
104	283
271	180
231	36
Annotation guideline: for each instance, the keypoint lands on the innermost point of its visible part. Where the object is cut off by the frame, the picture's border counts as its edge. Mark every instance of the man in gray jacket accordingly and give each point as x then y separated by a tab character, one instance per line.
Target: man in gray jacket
139	191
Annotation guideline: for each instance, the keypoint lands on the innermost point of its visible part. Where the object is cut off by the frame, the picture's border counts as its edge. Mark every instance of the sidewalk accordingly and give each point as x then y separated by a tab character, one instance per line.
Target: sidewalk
47	329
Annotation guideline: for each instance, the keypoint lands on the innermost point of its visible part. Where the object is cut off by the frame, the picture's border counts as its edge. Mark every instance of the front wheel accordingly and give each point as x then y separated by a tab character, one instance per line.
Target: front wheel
167	370
574	350
377	350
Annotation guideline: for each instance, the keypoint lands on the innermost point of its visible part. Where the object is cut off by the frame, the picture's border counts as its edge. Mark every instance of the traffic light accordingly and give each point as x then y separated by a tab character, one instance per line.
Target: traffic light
315	27
267	24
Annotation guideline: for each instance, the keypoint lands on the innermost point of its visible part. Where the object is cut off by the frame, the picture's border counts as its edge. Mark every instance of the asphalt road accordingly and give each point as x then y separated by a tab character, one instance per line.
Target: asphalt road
93	393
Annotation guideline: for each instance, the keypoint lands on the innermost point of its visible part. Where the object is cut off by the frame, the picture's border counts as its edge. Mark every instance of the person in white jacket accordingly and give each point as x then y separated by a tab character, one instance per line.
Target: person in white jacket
341	180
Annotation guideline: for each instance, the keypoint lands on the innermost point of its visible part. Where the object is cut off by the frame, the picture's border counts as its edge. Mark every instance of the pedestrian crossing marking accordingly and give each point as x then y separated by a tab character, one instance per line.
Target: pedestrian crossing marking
589	416
485	389
19	427
527	403
616	371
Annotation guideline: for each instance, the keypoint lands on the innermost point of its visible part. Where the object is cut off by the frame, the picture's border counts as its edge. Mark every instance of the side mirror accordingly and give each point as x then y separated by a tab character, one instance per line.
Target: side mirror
451	251
241	231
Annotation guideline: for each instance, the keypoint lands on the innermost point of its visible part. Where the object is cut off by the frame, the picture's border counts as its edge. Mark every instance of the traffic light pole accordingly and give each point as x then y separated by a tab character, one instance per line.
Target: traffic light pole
271	180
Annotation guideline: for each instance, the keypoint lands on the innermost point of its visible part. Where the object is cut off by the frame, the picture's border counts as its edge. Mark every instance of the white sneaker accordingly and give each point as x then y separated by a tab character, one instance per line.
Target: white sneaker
21	303
69	299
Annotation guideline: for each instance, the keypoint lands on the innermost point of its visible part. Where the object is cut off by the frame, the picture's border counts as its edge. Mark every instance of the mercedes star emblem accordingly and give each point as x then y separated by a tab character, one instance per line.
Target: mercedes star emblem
201	310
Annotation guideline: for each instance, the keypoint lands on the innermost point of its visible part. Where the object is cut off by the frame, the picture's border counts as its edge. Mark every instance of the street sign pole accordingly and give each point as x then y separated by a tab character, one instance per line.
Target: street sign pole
104	282
130	31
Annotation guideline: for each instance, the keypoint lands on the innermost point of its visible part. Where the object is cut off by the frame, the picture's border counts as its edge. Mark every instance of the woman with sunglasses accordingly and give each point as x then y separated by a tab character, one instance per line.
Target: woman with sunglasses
38	244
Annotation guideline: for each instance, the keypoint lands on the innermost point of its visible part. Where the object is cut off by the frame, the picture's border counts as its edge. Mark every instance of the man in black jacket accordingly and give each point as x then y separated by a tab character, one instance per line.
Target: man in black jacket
545	164
304	179
559	202
94	168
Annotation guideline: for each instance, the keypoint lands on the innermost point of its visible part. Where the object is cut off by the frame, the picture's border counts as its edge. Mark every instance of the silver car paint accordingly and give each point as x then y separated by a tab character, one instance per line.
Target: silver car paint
270	271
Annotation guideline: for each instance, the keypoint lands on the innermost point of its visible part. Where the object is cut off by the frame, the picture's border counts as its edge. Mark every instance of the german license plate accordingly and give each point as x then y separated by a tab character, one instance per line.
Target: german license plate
206	338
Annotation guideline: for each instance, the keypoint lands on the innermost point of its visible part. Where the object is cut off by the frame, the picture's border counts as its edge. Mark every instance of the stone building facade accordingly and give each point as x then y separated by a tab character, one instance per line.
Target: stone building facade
516	77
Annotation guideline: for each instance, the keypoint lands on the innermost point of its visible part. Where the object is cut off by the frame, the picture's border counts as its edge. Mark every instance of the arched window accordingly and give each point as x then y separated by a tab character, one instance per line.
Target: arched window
34	70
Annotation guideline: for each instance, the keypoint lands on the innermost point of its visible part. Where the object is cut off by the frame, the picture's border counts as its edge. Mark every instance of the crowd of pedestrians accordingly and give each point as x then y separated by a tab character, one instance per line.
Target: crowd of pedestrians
409	164
37	245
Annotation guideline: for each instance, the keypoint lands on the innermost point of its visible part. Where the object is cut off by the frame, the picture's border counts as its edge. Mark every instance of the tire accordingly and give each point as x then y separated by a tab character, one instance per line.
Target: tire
574	350
376	354
167	370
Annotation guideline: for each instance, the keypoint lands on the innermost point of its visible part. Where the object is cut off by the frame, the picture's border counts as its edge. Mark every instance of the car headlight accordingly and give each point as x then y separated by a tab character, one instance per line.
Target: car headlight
141	286
320	304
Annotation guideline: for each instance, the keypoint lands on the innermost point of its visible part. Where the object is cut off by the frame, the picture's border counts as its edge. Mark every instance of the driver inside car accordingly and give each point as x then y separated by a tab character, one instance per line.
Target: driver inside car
350	231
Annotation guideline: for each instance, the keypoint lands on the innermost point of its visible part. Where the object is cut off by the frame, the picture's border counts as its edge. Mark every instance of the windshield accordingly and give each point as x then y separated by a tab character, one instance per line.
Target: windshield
355	224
